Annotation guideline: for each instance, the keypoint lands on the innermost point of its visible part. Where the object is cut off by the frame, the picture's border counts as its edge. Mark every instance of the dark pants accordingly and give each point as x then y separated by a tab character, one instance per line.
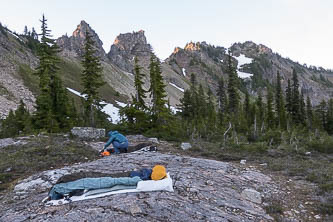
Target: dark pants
120	147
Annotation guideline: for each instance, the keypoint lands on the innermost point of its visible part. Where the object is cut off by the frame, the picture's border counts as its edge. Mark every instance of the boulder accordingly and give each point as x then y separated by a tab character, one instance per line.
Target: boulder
185	146
252	195
88	132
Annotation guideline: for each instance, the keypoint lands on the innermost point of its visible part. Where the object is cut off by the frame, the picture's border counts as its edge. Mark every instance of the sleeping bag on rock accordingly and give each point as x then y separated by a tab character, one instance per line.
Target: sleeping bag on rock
60	190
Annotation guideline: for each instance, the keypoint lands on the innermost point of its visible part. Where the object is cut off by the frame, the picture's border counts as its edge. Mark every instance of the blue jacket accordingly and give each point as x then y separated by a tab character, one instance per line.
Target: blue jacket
115	136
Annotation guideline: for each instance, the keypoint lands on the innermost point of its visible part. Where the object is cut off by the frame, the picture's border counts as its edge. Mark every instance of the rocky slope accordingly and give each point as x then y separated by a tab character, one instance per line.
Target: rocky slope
204	190
13	58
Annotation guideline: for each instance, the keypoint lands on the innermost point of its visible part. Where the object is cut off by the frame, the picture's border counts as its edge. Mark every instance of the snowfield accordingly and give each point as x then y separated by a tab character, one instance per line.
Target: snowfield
242	60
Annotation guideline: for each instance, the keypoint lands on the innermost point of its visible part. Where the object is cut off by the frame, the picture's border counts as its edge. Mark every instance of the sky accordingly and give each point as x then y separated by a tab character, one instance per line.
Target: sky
298	29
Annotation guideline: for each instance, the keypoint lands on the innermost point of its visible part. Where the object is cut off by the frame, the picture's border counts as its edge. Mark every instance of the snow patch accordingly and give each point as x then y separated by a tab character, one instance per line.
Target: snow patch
184	71
174	110
242	60
16	36
112	111
174	85
108	108
76	92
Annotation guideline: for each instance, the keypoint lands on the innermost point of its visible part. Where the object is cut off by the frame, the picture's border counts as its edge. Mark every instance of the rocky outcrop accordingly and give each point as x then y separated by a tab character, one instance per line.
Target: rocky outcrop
205	190
204	60
128	46
88	132
74	45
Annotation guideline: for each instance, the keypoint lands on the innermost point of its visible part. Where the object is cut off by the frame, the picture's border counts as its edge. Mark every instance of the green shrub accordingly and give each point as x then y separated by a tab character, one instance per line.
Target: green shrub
324	145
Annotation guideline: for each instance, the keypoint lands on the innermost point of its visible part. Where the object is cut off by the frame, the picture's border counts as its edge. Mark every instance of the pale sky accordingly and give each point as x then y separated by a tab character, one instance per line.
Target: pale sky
299	29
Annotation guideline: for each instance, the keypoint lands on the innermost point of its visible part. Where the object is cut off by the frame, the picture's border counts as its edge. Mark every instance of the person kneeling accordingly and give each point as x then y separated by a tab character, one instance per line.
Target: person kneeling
118	141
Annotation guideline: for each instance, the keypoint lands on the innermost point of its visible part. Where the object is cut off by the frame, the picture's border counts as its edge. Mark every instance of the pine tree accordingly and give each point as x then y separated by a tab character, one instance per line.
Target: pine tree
261	111
309	113
247	109
329	127
157	91
222	100
296	116
25	32
52	104
232	88
322	111
289	98
270	113
302	110
91	80
138	83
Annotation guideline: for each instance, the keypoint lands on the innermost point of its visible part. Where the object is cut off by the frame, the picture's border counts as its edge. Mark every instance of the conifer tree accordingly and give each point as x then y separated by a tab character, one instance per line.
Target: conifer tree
296	116
289	98
322	111
247	108
91	80
270	113
157	90
302	110
222	100
138	83
261	112
329	127
232	88
309	113
52	103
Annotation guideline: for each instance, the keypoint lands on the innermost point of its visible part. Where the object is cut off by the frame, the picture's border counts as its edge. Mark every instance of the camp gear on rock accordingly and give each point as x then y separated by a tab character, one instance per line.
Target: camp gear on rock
144	174
90	174
62	189
159	172
105	153
142	186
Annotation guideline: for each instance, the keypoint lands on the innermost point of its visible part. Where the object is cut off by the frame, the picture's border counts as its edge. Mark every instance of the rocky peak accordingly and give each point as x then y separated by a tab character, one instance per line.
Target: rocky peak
192	46
76	42
127	46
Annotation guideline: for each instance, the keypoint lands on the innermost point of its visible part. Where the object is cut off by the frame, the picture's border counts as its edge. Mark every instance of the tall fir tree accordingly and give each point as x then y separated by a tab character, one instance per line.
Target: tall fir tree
92	80
270	120
222	101
52	106
157	91
302	110
309	113
295	107
289	97
233	100
138	83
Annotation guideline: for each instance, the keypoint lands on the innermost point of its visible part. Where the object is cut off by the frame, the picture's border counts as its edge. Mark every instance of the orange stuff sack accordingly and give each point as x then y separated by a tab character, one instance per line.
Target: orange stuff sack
159	172
106	153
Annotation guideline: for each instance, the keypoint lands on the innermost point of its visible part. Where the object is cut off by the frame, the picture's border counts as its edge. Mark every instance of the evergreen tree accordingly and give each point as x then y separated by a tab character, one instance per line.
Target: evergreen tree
302	110
261	112
138	83
321	112
270	113
309	113
52	107
222	100
295	108
329	127
278	99
247	108
157	91
232	88
289	101
91	80
25	32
